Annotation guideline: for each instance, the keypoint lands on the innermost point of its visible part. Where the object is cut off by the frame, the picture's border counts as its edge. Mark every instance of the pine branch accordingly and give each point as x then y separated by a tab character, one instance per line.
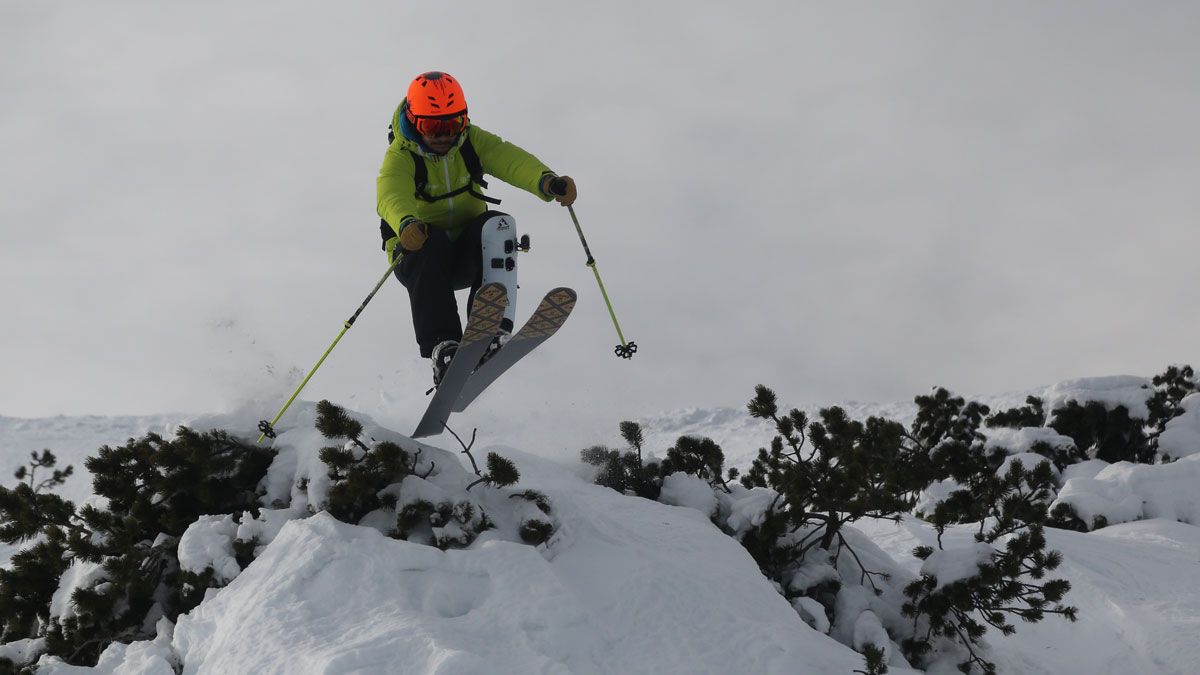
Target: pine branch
466	449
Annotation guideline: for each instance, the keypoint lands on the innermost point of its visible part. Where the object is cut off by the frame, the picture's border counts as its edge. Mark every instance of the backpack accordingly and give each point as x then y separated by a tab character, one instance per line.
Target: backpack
474	167
421	180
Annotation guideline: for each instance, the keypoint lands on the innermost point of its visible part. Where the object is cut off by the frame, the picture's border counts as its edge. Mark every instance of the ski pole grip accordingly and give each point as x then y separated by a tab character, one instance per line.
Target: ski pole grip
558	186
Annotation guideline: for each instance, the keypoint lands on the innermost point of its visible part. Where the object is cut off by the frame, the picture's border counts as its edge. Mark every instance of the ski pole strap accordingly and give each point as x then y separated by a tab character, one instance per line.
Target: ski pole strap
268	428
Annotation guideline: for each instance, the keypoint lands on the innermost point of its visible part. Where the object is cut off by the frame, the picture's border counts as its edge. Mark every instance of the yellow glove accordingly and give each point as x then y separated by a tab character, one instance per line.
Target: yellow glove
562	188
413	236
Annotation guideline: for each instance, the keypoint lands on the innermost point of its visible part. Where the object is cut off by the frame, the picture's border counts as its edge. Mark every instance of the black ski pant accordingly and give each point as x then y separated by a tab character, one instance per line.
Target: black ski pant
431	276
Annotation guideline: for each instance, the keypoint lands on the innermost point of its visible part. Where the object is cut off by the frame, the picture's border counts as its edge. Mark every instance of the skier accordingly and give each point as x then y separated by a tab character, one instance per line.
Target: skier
434	213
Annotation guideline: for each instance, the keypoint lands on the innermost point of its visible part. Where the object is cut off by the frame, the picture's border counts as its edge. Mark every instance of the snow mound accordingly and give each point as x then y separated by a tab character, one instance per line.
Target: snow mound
627	585
1112	391
1018	441
1125	492
1181	438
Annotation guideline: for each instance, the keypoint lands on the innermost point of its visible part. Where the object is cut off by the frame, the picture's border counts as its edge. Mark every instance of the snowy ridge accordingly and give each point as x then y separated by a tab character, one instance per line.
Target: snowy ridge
629	585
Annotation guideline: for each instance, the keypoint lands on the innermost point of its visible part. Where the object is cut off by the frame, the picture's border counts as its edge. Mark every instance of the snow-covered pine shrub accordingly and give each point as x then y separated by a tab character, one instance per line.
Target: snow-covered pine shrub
1170	388
537	524
699	457
444	524
105	573
1111	434
358	473
381	481
963	590
626	472
631	473
27	586
801	539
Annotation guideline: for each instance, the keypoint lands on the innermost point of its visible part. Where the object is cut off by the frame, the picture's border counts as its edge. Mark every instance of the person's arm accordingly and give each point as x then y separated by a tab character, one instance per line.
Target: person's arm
509	162
395	194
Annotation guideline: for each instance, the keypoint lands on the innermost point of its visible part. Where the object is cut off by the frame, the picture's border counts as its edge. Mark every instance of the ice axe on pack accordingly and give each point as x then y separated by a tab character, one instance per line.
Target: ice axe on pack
625	350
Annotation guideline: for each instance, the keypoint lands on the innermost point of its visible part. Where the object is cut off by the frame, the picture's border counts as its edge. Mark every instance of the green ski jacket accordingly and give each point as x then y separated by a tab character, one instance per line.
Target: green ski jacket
396	194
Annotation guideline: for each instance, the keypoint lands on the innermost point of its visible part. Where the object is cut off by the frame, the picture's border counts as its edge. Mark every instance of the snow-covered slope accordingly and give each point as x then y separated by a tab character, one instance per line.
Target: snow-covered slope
631	586
627	585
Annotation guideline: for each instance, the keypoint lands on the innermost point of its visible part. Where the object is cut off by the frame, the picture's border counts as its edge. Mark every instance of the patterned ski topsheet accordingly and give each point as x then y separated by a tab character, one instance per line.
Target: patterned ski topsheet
550	315
483	322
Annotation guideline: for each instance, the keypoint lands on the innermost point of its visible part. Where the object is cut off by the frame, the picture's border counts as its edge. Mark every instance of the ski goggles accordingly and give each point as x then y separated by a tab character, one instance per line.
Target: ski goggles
450	125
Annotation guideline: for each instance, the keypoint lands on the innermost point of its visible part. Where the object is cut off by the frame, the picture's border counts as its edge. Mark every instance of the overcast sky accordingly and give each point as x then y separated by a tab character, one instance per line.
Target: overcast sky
840	200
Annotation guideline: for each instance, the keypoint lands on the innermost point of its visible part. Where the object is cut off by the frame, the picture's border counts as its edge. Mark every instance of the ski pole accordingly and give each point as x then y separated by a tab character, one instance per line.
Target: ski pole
268	428
625	350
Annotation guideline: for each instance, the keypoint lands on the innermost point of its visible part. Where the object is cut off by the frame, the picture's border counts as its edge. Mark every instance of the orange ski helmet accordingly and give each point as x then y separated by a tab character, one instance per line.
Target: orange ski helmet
436	94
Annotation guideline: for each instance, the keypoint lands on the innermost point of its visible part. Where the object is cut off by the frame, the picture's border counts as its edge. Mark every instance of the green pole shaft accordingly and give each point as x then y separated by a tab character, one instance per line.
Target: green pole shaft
347	326
591	262
603	292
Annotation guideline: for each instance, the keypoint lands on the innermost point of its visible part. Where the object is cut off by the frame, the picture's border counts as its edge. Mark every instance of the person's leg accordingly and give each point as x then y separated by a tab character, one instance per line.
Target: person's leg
428	274
485	253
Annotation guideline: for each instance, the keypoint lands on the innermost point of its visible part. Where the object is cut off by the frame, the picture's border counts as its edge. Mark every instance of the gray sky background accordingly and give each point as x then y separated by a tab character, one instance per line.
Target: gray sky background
841	200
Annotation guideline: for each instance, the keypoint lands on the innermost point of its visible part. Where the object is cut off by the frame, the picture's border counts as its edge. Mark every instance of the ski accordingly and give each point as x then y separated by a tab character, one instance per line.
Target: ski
482	324
549	316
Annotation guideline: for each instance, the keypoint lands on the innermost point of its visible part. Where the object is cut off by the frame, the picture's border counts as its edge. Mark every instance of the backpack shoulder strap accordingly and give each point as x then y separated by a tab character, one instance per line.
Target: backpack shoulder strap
474	166
420	175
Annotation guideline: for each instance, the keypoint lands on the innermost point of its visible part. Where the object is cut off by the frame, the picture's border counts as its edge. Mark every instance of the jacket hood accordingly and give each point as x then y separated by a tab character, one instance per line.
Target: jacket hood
408	137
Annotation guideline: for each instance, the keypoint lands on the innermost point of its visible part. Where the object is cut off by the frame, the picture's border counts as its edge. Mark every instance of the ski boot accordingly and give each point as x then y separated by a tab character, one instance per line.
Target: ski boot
443	354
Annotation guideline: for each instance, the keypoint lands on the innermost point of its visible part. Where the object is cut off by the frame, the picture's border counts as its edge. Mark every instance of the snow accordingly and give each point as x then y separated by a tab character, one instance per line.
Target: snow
749	507
631	585
208	543
1028	460
681	489
1125	491
936	493
953	565
1181	438
1021	440
1134	585
1113	391
147	657
22	651
640	587
812	612
266	526
1085	469
79	575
